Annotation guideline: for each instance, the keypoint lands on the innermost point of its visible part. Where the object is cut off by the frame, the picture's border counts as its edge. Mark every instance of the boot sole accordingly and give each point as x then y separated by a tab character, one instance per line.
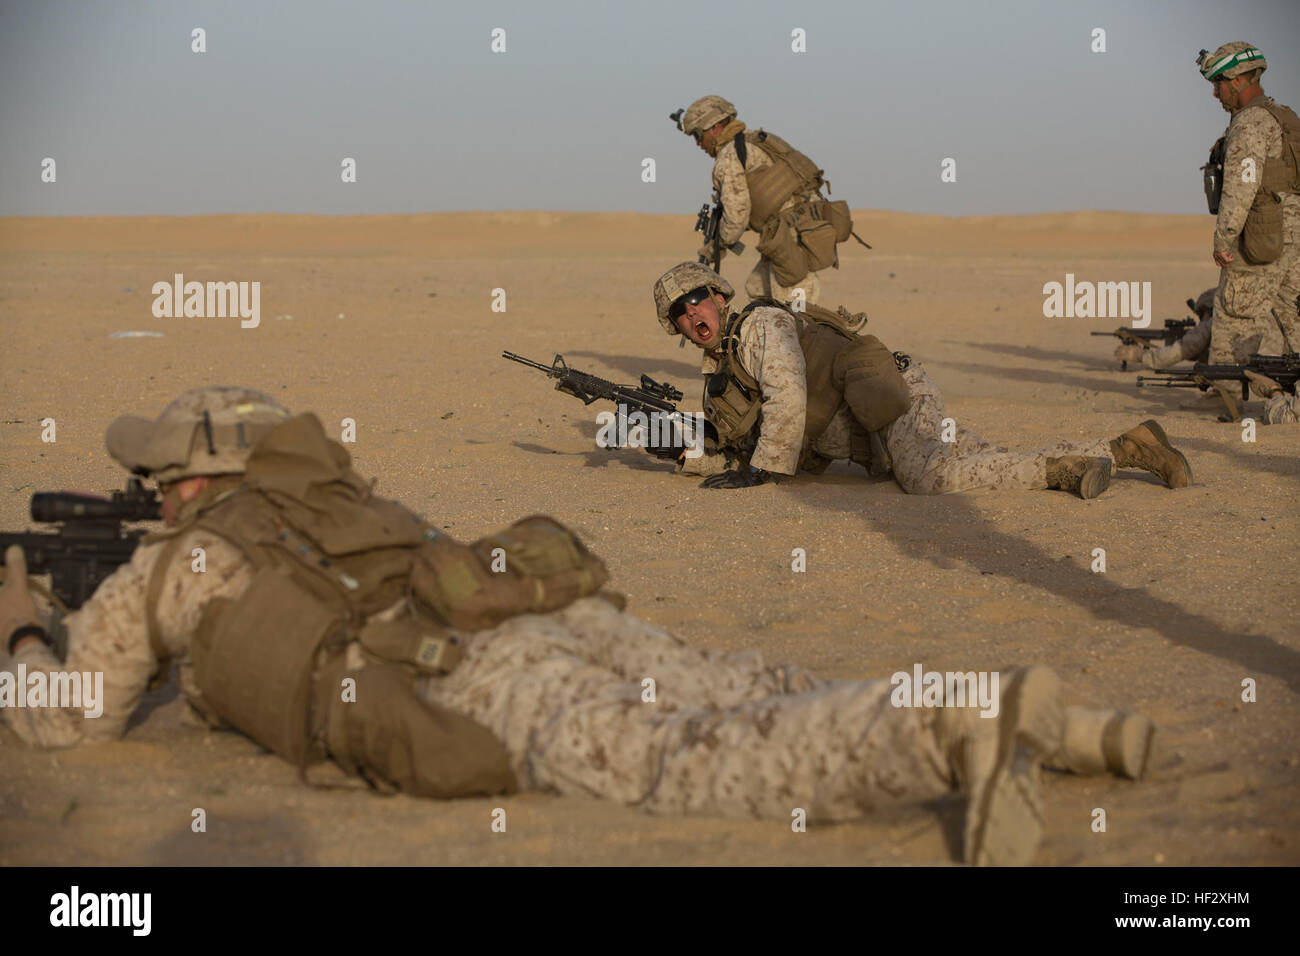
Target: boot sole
1004	820
1126	742
1158	433
1096	479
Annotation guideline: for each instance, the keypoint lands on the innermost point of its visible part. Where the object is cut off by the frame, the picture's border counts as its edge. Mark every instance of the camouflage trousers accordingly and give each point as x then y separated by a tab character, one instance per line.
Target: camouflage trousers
1255	308
725	735
924	464
1192	347
1282	410
761	283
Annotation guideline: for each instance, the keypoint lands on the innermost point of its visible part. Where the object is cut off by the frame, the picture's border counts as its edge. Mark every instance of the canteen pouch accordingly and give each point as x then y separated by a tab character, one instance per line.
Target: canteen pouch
779	244
1261	239
254	661
838	215
534	566
817	237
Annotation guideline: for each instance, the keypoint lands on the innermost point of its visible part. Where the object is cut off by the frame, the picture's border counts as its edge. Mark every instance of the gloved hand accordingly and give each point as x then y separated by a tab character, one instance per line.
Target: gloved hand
706	252
1129	353
743	478
1262	385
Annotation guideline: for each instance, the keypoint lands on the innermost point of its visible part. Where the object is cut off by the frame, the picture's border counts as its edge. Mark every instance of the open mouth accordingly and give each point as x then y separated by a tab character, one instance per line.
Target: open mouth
702	331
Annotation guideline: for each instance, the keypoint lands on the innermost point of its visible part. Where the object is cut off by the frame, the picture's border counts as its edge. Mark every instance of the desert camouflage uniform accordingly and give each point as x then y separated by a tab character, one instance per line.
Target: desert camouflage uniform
1192	347
732	190
769	350
1282	410
923	464
1255	304
726	736
109	634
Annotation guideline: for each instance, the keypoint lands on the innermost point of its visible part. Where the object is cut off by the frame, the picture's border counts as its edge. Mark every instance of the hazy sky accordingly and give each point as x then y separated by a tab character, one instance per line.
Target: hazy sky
138	124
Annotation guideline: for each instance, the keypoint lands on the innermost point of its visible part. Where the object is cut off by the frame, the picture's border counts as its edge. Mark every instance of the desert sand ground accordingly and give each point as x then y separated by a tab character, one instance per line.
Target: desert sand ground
387	320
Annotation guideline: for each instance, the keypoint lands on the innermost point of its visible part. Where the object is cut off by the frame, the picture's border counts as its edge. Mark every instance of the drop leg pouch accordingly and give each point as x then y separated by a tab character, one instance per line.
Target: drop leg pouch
396	740
255	659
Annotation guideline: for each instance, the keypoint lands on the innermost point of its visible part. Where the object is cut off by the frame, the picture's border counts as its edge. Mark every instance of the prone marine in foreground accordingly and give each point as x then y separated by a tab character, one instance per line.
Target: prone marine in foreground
327	623
789	391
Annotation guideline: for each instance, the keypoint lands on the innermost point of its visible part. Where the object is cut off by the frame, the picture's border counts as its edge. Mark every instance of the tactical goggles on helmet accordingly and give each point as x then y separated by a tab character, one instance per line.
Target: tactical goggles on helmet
694	297
1201	59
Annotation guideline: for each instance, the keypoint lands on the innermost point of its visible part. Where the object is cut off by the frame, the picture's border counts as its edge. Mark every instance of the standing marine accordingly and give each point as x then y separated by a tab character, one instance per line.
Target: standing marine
1253	186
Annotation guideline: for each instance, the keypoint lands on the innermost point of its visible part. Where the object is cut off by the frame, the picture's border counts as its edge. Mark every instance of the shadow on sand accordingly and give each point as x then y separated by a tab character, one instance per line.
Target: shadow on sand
973	539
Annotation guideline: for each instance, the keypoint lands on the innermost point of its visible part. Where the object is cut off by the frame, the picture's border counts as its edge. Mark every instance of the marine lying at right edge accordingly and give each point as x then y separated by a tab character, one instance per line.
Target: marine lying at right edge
1252	184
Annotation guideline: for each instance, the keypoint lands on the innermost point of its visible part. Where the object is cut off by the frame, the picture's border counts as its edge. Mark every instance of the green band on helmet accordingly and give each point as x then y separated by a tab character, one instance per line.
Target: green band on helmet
1240	58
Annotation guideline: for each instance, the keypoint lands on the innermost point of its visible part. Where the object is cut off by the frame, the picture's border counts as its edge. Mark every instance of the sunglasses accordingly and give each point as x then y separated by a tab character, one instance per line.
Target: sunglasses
694	297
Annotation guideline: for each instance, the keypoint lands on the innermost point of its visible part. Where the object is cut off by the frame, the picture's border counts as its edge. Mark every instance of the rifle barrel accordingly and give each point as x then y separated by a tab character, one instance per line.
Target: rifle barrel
1166	382
523	361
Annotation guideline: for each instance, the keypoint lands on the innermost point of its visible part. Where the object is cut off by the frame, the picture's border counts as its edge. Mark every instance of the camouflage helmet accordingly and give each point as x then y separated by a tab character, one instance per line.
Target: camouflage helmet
680	280
205	431
1231	59
704	113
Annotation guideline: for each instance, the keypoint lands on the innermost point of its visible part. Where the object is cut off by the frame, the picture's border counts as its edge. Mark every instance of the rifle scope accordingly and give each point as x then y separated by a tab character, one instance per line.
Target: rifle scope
135	504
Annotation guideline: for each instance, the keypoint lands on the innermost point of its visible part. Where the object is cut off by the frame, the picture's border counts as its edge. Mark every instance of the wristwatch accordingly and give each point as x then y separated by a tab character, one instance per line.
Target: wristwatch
27	630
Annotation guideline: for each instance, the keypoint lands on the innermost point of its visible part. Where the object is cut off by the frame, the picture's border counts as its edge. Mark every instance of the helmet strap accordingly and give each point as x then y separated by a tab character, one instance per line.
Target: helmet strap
1234	100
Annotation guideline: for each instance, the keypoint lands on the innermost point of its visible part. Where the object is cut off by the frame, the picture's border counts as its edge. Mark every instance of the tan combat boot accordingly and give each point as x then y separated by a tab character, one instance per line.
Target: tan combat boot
1147	447
996	762
1087	476
1104	741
